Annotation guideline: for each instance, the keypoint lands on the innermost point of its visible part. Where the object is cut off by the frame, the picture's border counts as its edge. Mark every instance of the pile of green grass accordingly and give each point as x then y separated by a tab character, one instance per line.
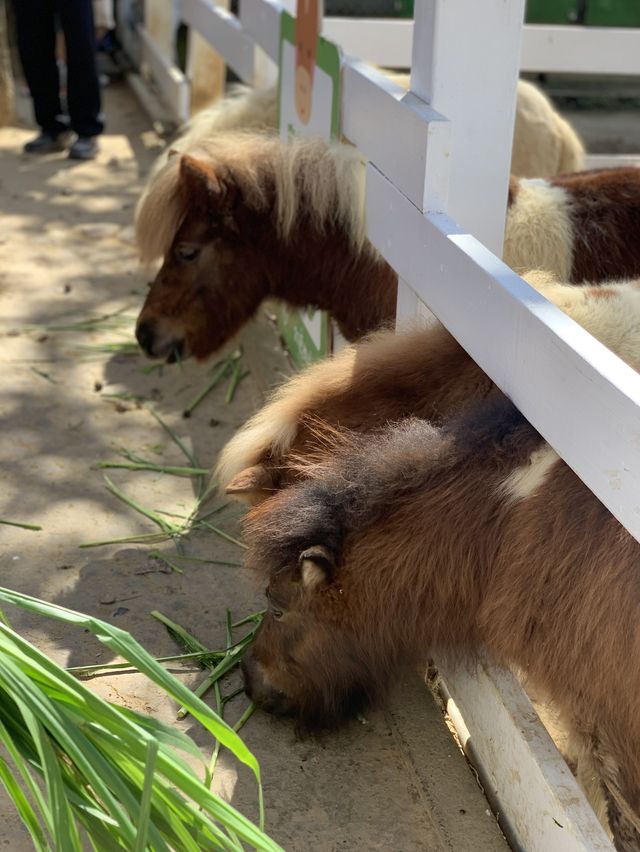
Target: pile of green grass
80	769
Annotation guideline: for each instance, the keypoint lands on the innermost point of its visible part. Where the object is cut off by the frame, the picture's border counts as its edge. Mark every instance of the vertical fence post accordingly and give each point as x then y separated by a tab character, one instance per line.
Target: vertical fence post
465	63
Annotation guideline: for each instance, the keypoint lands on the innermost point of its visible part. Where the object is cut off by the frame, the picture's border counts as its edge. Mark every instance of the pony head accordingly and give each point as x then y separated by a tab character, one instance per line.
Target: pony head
240	217
211	279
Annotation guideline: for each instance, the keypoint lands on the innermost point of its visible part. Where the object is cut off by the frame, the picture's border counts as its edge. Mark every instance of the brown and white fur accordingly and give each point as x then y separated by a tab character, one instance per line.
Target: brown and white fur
423	373
544	143
244	217
467	535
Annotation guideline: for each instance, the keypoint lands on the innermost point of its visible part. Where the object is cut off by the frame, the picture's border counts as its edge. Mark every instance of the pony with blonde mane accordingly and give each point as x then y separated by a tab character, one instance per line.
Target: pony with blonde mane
244	216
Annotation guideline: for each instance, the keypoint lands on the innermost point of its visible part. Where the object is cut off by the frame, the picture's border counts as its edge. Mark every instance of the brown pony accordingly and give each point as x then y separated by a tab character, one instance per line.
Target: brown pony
470	535
244	217
424	373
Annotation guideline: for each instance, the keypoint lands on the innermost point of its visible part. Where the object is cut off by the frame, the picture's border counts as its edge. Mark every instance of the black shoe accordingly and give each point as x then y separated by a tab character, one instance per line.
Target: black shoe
45	143
84	148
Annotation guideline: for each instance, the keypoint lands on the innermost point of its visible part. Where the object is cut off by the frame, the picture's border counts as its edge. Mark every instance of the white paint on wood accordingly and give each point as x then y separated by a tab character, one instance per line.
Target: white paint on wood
223	32
563	49
580	396
171	82
581	50
540	806
406	139
261	20
381	41
465	66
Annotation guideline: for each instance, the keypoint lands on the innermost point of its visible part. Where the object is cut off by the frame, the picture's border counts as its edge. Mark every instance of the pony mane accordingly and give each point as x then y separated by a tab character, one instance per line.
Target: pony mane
323	182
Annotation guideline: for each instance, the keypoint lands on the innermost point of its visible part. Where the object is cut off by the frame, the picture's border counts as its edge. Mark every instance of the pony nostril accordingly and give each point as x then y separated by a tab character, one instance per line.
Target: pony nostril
145	333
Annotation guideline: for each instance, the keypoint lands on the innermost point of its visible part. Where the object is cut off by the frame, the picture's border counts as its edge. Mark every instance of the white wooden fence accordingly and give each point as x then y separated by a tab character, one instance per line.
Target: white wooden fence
436	195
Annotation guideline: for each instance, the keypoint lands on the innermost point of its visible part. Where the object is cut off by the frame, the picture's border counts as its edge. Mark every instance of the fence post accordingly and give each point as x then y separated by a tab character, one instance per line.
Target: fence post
464	65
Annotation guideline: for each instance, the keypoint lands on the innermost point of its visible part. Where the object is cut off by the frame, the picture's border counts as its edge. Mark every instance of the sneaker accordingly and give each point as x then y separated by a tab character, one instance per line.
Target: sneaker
84	148
45	143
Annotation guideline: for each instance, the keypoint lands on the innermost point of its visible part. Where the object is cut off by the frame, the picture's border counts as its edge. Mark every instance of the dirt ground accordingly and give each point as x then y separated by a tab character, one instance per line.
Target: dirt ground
393	781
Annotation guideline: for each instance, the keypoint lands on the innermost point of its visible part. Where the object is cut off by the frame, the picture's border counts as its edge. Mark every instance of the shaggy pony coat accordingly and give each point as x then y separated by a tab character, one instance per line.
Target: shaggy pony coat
423	373
460	530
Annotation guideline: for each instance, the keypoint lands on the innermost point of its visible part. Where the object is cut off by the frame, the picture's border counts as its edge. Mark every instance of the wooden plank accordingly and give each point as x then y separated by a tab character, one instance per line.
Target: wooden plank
206	69
169	79
575	391
223	32
475	88
261	20
406	139
575	50
539	803
381	41
160	22
581	50
206	72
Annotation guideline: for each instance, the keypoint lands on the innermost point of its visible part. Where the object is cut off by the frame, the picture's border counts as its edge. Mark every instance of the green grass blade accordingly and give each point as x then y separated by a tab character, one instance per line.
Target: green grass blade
172	470
24	808
126	646
221	370
145	802
165	526
18	524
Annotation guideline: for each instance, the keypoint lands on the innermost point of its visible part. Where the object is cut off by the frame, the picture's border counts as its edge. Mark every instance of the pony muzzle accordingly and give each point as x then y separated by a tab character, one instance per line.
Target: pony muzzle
159	342
262	692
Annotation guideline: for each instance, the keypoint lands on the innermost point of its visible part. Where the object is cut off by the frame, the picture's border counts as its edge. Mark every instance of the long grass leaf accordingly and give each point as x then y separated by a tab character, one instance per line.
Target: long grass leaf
165	526
24	808
18	524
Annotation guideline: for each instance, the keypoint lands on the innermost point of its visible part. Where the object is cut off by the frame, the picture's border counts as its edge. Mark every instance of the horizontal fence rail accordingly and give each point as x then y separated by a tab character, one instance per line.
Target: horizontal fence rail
559	49
576	392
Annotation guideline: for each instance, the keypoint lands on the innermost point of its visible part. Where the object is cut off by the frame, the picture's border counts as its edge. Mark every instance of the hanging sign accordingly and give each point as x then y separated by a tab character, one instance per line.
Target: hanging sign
309	105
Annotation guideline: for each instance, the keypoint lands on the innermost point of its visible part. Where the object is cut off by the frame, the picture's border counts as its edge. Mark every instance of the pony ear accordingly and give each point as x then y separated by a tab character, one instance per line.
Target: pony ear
251	483
316	567
200	184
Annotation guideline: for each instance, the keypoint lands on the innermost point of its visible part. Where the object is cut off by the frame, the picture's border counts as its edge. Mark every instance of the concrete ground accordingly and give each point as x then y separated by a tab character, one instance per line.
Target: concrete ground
70	399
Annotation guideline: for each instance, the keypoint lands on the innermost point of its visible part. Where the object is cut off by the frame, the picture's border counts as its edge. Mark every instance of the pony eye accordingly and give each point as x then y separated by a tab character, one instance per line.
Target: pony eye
276	613
187	253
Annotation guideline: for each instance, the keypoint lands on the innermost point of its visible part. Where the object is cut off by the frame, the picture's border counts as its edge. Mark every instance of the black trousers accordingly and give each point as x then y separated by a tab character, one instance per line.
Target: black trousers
36	24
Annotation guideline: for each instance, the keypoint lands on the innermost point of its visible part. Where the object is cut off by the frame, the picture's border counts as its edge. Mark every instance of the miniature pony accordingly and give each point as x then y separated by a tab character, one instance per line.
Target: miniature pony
423	373
245	217
455	533
472	534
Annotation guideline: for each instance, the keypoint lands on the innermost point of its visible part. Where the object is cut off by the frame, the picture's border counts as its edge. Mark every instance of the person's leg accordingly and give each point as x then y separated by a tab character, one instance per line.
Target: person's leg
35	23
83	87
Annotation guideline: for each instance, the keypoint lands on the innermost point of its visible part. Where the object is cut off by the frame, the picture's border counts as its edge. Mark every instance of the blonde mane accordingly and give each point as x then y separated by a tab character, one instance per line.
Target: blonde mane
309	178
